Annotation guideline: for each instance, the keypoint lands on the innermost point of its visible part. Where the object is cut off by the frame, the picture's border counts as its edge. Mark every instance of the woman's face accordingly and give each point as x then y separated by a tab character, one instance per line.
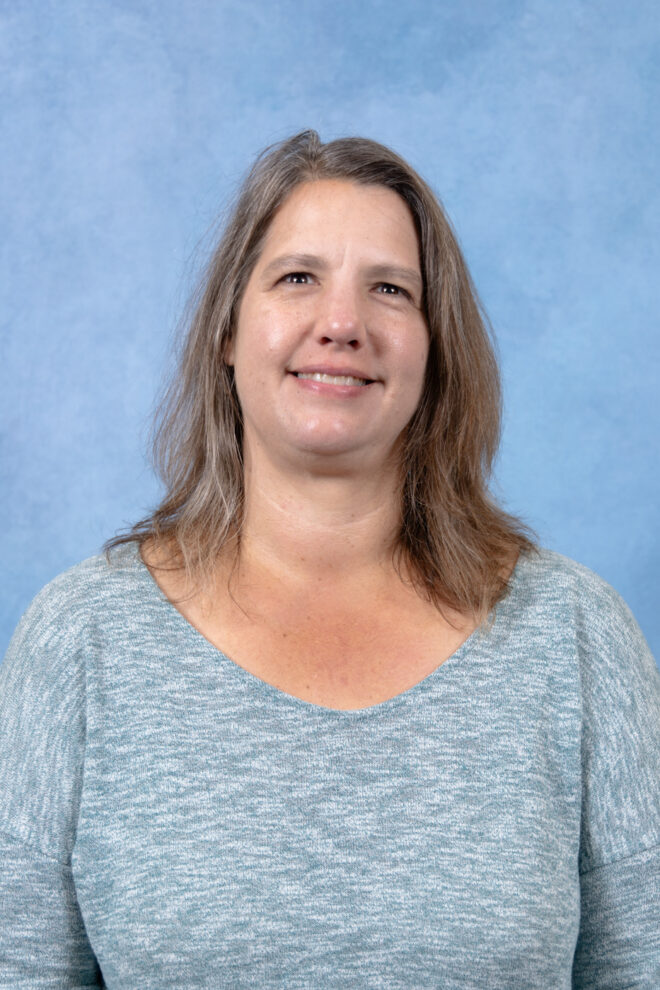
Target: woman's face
331	343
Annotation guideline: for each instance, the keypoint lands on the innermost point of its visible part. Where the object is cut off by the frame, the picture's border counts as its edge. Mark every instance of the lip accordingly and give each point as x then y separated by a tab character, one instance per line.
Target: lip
337	372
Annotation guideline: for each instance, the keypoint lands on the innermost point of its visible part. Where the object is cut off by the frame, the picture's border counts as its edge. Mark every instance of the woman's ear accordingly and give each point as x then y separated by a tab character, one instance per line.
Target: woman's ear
228	351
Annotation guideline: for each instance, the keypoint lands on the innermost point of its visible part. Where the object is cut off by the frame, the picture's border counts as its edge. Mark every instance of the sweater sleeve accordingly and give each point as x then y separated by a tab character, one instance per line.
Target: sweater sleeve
619	861
43	942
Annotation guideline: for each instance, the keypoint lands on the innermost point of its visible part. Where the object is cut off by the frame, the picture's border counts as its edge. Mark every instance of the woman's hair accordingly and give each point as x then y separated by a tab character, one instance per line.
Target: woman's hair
454	542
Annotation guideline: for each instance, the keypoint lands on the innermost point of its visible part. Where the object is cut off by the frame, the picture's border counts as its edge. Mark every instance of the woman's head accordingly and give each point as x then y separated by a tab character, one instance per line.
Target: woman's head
330	343
461	386
451	439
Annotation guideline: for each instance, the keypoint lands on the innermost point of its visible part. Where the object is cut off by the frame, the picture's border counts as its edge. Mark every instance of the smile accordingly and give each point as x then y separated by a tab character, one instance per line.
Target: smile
332	379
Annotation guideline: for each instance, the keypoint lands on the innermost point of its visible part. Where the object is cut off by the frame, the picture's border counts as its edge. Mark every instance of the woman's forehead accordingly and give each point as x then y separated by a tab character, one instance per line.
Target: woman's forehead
321	210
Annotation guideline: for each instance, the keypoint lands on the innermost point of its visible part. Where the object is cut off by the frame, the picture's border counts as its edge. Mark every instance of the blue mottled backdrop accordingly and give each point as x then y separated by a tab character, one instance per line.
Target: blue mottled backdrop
125	124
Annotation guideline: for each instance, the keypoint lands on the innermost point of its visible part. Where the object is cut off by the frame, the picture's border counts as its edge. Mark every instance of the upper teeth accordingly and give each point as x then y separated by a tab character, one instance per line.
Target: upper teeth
333	379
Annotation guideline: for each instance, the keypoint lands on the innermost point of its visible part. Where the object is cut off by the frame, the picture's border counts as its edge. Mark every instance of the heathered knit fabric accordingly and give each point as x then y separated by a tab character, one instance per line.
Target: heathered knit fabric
169	820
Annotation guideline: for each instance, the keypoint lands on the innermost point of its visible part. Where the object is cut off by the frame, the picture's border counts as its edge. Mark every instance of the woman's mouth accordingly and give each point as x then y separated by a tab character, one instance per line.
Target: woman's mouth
332	379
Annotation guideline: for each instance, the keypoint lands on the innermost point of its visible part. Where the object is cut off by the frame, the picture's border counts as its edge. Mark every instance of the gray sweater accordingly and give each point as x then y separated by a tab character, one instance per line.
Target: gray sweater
169	820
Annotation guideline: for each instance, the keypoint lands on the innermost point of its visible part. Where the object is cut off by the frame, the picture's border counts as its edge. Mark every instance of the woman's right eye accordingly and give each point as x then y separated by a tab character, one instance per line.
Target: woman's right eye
297	278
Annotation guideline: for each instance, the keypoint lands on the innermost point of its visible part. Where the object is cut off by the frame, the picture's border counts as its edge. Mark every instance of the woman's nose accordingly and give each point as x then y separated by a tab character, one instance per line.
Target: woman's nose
341	320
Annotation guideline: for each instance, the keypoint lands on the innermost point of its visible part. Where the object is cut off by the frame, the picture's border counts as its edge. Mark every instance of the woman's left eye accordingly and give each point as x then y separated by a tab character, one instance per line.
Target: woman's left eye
388	289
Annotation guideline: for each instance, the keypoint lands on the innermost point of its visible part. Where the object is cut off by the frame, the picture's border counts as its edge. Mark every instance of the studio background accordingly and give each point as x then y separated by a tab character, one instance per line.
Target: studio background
127	125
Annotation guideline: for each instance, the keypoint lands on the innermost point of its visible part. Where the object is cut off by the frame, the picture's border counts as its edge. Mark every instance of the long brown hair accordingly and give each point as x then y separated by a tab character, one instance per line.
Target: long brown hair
454	541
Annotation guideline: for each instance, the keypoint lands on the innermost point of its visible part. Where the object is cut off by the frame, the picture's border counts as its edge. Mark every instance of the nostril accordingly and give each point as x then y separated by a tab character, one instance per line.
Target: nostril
349	343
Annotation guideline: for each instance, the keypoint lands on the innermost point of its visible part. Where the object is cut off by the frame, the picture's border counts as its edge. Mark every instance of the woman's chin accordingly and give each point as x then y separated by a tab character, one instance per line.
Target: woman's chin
324	450
333	455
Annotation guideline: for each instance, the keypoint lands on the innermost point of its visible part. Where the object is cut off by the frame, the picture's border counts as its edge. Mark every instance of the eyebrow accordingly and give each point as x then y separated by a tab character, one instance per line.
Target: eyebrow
382	272
293	262
395	273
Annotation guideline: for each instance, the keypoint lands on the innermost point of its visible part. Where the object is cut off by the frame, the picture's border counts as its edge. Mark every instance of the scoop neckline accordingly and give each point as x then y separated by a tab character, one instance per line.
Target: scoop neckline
276	694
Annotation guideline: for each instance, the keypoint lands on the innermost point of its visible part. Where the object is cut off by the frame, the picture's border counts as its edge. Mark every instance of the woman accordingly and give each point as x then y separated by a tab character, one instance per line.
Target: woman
328	718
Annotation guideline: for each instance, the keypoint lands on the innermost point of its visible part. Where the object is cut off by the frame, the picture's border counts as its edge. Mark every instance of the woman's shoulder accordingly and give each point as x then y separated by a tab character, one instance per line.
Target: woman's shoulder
114	571
548	576
568	602
96	587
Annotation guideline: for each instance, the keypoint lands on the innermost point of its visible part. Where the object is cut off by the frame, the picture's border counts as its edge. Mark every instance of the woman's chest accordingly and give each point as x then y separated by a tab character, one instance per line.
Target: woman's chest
258	845
333	653
333	906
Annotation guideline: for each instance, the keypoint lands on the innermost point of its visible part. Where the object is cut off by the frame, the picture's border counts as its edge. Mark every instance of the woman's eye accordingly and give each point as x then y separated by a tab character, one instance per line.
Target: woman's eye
388	289
297	278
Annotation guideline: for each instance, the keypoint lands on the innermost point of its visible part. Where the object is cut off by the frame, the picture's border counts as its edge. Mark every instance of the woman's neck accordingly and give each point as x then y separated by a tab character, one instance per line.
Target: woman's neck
313	528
